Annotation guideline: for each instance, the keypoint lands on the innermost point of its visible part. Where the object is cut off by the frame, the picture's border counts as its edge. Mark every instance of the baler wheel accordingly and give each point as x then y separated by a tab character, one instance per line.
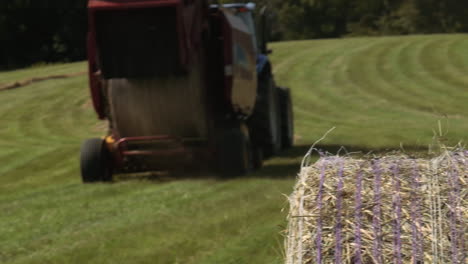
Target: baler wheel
234	155
287	118
95	161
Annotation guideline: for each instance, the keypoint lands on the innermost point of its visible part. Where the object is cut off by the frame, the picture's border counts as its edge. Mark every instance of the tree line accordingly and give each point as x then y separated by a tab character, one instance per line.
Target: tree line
34	31
55	30
304	19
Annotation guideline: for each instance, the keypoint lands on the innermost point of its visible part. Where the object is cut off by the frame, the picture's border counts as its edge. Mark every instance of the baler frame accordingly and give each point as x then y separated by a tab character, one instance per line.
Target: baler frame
228	141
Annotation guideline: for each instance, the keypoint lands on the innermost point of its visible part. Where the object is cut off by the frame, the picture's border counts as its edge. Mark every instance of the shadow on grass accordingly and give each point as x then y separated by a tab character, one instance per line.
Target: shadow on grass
283	166
286	165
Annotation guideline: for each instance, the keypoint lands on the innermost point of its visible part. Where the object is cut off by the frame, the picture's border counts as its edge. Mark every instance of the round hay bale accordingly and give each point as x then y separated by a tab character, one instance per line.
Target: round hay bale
393	209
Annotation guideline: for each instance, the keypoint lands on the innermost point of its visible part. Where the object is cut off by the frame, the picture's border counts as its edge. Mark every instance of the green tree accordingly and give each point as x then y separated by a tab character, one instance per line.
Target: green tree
55	30
47	30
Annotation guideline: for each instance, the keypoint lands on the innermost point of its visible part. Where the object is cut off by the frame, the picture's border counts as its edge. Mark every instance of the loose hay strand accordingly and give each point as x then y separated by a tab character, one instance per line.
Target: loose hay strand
392	209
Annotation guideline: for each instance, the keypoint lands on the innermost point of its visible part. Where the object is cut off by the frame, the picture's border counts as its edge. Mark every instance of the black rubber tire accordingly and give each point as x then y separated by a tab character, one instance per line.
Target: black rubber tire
265	123
287	118
95	162
233	152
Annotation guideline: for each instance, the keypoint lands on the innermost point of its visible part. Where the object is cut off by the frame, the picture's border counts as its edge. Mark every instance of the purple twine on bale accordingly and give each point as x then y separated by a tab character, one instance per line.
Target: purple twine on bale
318	241
397	221
339	205
416	239
377	211
358	218
453	197
464	253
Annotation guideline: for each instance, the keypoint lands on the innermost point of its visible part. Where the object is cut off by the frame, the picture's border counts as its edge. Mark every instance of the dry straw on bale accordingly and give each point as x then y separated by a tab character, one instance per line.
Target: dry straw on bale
393	209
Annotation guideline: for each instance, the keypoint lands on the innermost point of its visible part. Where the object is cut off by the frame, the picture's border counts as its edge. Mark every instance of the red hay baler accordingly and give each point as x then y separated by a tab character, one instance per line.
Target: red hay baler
182	84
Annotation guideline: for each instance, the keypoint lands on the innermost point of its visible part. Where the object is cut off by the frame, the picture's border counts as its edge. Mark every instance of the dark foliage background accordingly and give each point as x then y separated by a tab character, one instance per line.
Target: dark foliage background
34	31
55	30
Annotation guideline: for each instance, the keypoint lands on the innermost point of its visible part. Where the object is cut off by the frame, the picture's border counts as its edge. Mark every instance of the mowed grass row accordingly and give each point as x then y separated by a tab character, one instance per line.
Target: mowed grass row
378	92
40	70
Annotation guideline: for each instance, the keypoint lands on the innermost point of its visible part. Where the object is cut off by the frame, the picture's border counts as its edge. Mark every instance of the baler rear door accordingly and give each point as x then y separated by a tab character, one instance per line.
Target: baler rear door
151	86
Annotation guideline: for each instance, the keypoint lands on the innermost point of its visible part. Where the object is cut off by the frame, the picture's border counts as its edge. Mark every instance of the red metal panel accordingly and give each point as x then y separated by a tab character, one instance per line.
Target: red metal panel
177	149
94	81
149	138
126	4
189	26
170	152
122	149
100	5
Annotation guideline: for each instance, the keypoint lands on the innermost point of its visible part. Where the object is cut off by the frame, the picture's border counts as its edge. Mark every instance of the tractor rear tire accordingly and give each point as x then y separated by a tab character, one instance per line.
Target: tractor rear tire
265	124
234	155
95	162
287	118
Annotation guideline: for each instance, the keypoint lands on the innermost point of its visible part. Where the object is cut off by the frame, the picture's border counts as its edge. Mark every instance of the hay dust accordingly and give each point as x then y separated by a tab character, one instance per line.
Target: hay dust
172	105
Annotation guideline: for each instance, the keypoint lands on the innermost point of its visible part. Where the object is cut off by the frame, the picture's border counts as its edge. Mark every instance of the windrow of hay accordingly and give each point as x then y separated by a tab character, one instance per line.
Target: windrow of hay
393	209
22	83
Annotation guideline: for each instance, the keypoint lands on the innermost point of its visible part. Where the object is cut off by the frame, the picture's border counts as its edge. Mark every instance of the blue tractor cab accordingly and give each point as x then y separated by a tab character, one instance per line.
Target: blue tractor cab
271	125
256	23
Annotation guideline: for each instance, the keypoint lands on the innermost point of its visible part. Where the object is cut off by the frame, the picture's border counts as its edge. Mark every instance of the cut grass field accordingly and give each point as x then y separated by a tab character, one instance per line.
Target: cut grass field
379	92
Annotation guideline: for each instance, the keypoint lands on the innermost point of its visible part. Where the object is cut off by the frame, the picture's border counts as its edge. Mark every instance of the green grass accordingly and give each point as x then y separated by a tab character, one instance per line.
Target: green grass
378	92
42	70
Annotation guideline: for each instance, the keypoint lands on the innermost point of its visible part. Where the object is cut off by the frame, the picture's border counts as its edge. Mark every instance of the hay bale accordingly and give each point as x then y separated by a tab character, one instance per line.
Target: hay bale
393	209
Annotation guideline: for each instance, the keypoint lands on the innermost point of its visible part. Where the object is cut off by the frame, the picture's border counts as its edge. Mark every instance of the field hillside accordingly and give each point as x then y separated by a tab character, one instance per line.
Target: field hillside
379	93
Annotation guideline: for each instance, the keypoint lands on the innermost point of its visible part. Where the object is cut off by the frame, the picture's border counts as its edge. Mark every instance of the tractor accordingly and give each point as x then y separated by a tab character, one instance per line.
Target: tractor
182	84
